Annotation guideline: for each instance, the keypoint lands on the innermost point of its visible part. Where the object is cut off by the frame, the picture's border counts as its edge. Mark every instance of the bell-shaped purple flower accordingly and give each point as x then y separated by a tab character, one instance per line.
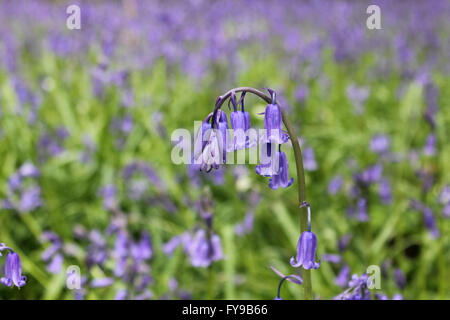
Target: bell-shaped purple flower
13	271
203	251
282	178
222	125
306	252
269	161
273	123
240	123
430	145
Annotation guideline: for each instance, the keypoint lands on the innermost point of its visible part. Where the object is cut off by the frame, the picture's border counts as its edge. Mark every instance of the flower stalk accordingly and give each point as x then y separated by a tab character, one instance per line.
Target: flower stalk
307	287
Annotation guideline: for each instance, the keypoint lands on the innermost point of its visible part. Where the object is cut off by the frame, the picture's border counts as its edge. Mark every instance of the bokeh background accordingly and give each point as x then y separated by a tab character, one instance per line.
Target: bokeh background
86	176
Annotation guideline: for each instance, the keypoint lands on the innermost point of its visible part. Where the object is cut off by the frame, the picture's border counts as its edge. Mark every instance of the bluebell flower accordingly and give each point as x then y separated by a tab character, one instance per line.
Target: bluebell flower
343	242
400	278
306	252
335	185
222	125
273	123
269	161
53	254
101	282
428	217
430	145
358	289
359	211
23	191
385	192
240	123
212	154
281	179
444	195
332	258
343	276
13	269
143	249
108	193
430	222
245	226
306	247
309	159
203	251
397	296
446	210
380	144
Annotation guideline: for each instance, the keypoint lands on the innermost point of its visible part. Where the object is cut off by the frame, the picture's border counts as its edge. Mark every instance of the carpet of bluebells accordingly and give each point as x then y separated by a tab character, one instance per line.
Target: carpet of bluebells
87	182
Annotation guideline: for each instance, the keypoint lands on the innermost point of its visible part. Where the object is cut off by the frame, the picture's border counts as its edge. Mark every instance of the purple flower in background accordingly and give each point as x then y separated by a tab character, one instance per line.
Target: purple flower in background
13	269
23	192
203	251
121	128
170	246
430	222
397	296
306	252
359	212
332	258
444	195
143	249
343	276
371	175
343	242
309	159
108	193
301	94
358	96
380	144
400	279
51	144
446	210
428	217
385	192
52	255
358	289
140	178
282	178
28	169
335	185
245	226
89	149
101	282
430	145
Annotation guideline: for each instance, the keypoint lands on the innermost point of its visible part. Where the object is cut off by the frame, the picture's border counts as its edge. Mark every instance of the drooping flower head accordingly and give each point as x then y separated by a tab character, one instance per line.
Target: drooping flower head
306	247
282	178
240	123
273	122
269	161
13	269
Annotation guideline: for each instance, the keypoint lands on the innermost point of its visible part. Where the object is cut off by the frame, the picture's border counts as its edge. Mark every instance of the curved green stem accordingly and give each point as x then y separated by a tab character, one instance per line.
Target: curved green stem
307	287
